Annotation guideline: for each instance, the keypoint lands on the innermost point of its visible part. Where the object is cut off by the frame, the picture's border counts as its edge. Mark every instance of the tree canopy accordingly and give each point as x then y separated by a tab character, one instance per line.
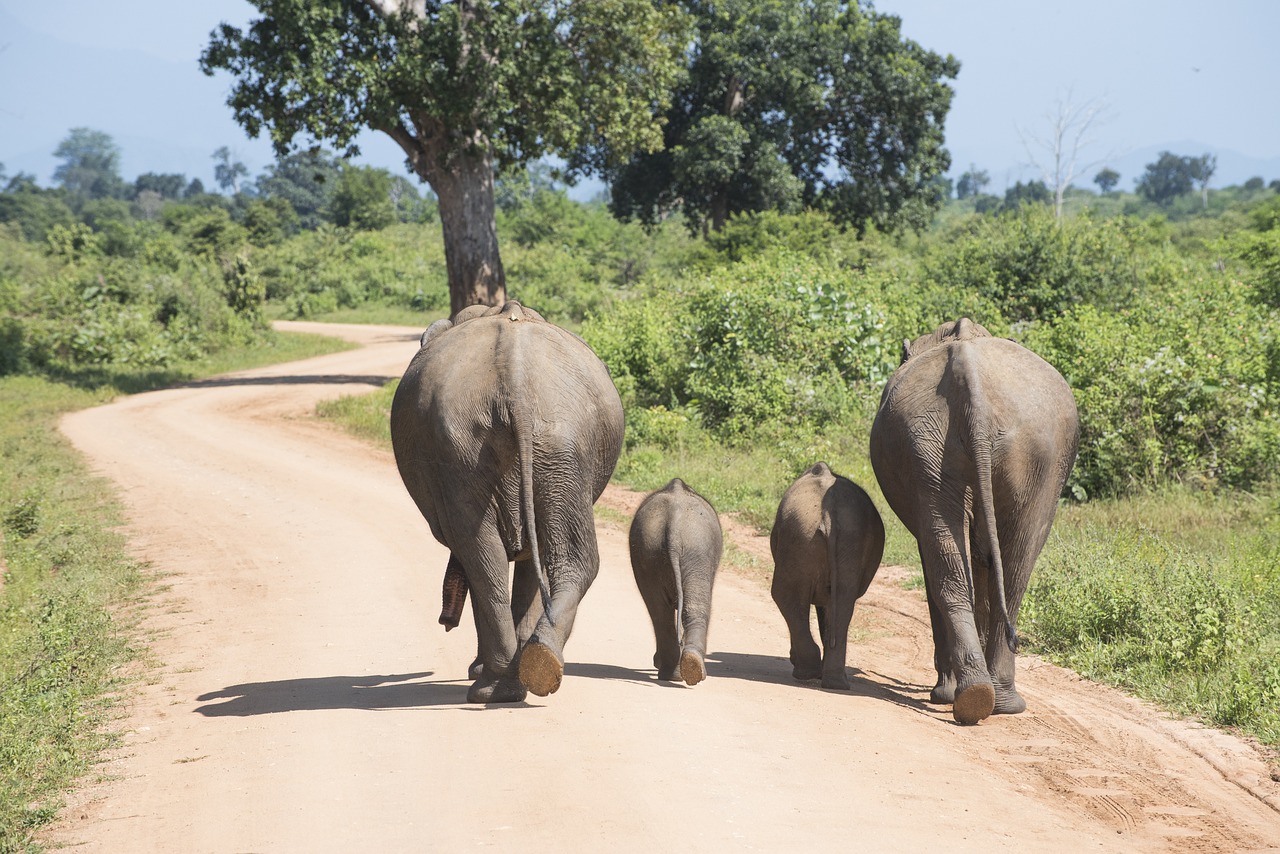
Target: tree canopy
462	87
90	167
1169	177
784	104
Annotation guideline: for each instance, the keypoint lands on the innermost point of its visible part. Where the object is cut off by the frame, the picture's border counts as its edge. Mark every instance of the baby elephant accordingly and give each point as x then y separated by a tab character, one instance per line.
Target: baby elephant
827	542
675	550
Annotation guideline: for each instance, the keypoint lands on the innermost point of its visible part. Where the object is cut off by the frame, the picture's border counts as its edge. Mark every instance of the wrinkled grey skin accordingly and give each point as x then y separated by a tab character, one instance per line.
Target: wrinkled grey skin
676	543
827	541
506	429
972	445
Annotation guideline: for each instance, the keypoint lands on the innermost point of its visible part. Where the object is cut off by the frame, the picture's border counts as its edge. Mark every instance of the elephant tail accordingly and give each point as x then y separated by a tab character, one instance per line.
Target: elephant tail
522	426
675	568
978	433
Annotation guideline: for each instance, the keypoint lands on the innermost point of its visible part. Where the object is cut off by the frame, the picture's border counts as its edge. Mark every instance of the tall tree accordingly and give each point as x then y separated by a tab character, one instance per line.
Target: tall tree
363	199
90	167
809	102
1166	179
306	180
1201	170
1056	150
1106	179
972	183
463	88
167	186
228	171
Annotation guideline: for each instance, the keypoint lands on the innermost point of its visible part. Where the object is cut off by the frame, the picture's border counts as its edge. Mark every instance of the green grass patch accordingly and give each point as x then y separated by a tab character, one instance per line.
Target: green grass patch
1173	596
365	415
70	595
370	313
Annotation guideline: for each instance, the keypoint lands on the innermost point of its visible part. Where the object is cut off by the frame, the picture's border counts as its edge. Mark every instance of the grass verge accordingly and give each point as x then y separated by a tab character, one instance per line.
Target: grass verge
69	592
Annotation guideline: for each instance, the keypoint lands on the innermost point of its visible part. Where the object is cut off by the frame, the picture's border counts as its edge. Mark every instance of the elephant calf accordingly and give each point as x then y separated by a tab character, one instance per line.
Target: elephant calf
676	544
972	444
827	542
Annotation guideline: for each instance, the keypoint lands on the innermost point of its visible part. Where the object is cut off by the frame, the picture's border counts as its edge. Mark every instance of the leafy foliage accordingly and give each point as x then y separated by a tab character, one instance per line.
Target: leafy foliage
777	93
1030	266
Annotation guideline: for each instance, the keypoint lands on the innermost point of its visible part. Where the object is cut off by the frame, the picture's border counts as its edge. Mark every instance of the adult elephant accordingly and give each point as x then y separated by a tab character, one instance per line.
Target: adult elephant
972	445
506	429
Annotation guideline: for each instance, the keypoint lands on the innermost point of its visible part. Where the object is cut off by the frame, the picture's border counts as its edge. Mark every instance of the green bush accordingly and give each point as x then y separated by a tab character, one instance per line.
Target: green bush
1030	265
773	339
68	306
1178	387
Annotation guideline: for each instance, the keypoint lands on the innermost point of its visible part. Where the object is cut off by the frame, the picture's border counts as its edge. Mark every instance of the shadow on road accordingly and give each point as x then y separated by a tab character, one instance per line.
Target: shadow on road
777	670
376	380
373	693
613	671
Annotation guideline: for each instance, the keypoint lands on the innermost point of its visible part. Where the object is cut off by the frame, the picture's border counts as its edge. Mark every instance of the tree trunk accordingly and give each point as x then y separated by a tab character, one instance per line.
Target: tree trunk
463	183
465	192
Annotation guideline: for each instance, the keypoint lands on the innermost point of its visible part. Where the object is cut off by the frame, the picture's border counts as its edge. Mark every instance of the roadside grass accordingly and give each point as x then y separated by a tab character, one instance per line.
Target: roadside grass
1172	595
370	313
70	594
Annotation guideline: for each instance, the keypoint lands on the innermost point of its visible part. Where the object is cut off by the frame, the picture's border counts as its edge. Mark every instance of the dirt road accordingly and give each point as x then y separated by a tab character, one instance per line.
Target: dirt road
304	698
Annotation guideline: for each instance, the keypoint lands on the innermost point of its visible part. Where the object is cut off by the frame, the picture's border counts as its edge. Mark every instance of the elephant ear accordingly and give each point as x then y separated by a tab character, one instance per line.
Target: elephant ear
434	331
906	350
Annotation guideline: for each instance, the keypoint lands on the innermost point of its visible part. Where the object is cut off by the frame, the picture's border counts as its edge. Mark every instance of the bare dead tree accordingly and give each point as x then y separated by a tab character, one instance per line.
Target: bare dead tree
1055	152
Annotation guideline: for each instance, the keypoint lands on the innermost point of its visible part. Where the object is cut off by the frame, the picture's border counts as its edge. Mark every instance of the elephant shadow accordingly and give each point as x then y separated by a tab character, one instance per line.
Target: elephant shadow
368	693
776	669
590	670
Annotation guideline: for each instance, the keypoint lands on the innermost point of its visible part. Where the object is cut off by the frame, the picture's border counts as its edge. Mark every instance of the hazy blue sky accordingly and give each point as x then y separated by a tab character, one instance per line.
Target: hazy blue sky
1184	75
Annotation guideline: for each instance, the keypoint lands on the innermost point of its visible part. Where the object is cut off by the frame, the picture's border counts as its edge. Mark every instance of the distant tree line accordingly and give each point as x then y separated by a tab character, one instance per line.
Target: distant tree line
1166	180
299	191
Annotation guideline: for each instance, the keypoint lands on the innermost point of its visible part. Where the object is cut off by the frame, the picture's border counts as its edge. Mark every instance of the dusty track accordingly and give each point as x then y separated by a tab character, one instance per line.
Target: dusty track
306	700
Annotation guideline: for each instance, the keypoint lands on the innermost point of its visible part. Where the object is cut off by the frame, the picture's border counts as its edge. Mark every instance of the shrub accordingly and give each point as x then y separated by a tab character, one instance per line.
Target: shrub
1033	266
1177	387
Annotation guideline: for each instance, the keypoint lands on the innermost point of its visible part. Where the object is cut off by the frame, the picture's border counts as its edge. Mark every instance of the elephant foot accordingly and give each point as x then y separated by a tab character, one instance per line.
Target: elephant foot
1009	702
540	668
974	703
806	670
476	669
495	691
692	668
836	681
944	693
668	674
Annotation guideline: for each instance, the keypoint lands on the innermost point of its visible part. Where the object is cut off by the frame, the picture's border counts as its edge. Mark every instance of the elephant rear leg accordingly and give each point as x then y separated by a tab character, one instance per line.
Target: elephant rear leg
571	567
974	691
1001	660
496	681
658	594
944	689
793	603
698	574
835	635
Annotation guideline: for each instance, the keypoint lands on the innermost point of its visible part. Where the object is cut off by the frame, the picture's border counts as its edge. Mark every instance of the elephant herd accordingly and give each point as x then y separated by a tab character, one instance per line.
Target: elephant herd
506	429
